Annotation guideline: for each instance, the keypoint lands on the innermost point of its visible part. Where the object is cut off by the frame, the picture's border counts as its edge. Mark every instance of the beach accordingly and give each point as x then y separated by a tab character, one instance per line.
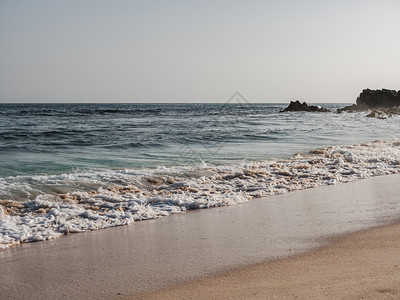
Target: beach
195	149
187	149
364	265
192	248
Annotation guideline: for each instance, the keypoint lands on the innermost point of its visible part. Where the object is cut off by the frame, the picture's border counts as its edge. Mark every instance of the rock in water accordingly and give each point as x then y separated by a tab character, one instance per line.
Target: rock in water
381	103
373	99
378	98
297	106
373	114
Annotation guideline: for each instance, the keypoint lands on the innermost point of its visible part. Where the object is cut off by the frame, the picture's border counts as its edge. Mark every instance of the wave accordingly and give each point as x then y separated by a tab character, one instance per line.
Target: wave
75	202
73	110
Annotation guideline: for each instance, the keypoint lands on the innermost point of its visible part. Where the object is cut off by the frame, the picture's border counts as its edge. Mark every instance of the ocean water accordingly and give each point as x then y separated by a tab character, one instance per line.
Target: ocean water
68	168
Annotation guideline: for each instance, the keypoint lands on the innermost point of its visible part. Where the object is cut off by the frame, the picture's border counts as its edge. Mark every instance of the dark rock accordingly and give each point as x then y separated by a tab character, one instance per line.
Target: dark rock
383	113
378	98
297	106
373	99
350	108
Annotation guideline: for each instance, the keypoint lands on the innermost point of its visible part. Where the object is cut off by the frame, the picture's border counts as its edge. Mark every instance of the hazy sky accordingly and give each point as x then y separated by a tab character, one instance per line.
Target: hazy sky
197	51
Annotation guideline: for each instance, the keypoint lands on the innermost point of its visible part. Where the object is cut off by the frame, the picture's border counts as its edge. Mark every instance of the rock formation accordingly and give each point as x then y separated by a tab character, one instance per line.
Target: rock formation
378	99
380	103
375	99
297	106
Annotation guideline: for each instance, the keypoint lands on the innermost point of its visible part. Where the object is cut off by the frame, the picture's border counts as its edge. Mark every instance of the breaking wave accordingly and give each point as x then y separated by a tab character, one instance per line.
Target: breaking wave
35	208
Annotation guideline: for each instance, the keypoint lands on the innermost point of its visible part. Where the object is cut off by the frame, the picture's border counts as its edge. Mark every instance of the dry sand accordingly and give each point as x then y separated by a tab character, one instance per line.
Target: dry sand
122	262
365	265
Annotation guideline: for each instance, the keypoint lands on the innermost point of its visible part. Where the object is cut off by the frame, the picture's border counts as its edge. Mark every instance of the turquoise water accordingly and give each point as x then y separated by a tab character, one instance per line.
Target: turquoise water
57	138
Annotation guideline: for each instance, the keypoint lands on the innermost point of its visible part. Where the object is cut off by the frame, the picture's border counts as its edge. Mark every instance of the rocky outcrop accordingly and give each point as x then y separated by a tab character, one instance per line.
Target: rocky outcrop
383	113
375	99
297	106
378	99
350	108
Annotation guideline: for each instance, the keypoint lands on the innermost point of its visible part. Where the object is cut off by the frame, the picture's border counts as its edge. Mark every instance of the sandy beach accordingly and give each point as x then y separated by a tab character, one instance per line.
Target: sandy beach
364	265
198	149
155	255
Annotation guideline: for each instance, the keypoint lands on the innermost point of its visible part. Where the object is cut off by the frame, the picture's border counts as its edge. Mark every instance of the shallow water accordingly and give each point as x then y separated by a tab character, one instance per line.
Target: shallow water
159	253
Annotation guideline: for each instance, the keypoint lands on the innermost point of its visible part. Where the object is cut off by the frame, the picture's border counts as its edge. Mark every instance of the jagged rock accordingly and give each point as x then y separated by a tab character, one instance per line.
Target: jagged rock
378	98
372	99
350	108
297	106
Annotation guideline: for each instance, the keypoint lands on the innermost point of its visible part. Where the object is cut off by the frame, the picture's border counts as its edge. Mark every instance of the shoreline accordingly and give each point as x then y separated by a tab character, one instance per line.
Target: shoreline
167	191
157	254
360	265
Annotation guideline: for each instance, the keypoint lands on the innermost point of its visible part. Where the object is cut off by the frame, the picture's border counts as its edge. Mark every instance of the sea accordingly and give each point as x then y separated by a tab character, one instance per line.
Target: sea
67	168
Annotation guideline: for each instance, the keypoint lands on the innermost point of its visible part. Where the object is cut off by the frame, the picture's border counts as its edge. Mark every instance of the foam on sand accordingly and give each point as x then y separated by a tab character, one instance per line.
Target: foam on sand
97	200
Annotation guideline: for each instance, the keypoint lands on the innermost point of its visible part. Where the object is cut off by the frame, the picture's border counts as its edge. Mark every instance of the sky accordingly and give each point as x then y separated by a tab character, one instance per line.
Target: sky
197	51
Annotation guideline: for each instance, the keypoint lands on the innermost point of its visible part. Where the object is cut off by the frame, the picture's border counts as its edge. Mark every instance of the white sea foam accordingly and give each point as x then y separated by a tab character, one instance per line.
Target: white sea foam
94	200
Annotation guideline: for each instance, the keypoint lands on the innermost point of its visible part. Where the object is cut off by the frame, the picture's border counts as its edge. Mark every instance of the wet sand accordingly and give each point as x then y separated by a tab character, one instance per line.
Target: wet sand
151	255
365	265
